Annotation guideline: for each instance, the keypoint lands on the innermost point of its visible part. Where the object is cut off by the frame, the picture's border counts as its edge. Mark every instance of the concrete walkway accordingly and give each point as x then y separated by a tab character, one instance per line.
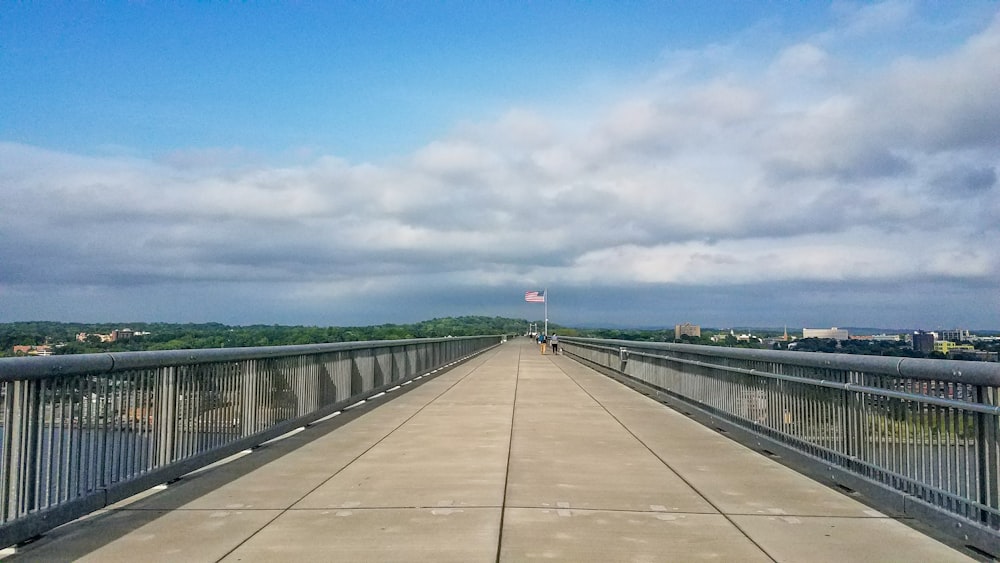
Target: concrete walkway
511	456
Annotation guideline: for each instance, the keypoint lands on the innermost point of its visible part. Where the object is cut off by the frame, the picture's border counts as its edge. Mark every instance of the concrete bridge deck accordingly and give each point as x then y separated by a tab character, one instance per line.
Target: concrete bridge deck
510	456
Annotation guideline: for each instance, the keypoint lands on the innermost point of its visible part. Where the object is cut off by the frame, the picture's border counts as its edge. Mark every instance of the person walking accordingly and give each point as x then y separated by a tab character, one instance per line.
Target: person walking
541	341
554	341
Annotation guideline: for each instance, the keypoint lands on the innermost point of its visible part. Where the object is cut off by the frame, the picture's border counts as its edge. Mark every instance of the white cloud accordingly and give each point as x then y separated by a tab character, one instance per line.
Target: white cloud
858	255
800	60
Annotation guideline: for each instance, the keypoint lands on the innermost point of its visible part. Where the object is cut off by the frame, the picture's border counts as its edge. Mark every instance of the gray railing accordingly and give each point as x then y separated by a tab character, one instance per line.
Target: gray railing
82	432
917	437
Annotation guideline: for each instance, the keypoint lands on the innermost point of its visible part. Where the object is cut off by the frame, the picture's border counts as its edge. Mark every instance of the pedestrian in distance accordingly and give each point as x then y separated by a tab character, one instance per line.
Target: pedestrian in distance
541	341
554	341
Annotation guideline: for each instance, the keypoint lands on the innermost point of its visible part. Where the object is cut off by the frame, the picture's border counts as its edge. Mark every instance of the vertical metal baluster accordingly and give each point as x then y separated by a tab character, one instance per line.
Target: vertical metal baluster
5	450
871	431
859	431
987	458
905	416
46	442
56	461
926	441
165	423
149	401
210	437
896	459
183	406
138	422
225	429
141	423
72	433
894	443
141	417
231	400
912	442
124	426
195	379
128	426
951	446
201	411
877	418
885	417
970	460
33	461
261	396
890	437
101	433
936	468
82	473
119	426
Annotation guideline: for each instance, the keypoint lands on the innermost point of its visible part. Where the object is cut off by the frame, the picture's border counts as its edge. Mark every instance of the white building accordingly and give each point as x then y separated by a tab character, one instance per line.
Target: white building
955	335
886	338
834	333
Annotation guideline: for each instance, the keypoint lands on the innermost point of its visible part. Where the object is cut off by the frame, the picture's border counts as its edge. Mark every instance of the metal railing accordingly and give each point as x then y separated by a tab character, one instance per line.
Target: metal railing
82	432
917	436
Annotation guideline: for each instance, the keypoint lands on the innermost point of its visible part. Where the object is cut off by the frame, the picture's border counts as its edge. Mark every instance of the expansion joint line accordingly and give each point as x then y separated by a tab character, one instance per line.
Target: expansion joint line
668	466
510	447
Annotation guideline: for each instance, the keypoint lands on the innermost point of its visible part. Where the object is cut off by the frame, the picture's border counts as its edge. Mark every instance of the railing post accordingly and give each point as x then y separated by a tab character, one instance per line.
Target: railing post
986	454
852	421
166	416
21	447
342	369
307	385
249	398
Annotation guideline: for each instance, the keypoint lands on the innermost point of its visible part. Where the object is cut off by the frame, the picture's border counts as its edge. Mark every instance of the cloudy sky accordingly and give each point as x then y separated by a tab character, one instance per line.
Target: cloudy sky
722	163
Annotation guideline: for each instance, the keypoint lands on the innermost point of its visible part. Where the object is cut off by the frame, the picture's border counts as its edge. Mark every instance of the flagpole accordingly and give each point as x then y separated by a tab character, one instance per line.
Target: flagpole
546	301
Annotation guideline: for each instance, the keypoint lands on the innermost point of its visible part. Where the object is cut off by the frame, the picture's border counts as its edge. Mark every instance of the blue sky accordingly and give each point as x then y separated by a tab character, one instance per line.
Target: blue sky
362	81
723	163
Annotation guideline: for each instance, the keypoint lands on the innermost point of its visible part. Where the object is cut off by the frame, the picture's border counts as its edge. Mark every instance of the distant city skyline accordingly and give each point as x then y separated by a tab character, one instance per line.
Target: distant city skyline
728	164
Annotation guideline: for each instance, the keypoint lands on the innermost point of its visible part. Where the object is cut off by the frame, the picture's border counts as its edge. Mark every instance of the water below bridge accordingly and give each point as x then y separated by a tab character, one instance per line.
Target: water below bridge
510	456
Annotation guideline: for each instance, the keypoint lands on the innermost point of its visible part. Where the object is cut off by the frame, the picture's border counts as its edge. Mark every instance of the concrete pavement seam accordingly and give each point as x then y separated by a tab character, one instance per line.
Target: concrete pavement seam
510	446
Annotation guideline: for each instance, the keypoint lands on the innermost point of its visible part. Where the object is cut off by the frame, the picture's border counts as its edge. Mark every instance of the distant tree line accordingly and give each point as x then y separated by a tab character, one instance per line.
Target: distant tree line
168	336
865	347
884	348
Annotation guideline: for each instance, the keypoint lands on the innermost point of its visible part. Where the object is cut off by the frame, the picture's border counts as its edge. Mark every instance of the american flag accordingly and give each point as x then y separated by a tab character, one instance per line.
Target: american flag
534	296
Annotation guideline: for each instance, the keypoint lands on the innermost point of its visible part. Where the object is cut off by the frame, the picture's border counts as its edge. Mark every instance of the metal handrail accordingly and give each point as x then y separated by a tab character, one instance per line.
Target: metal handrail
957	371
21	368
870	390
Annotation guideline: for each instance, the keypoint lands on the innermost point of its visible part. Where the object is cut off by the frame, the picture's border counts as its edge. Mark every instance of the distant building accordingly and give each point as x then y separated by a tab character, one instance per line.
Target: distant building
33	350
742	337
834	333
946	347
886	338
963	351
955	335
924	341
687	329
121	334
